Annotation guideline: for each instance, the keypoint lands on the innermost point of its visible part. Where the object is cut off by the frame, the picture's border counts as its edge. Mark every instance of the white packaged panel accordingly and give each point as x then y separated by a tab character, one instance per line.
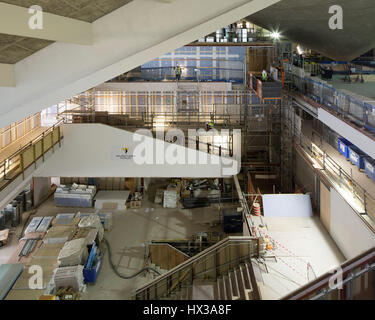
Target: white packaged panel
287	205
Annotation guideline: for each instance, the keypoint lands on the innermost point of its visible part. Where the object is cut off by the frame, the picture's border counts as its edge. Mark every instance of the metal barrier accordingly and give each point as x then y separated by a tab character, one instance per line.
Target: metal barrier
18	162
353	280
18	130
335	173
348	105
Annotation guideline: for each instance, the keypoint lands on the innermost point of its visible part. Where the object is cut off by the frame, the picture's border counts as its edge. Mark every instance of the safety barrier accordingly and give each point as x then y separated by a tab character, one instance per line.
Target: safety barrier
21	160
353	280
348	105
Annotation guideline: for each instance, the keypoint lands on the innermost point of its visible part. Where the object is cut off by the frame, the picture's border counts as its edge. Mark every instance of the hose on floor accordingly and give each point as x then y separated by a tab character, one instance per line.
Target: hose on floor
121	275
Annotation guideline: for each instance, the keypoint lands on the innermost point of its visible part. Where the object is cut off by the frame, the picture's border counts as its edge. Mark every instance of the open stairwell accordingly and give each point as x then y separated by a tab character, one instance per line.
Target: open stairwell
221	272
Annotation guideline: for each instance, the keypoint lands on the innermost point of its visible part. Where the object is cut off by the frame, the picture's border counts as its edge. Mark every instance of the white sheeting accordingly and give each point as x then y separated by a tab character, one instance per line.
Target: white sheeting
287	205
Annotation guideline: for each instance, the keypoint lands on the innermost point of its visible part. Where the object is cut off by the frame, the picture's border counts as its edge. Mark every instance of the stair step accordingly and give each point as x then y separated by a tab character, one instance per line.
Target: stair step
228	287
222	294
224	289
247	282
241	284
233	280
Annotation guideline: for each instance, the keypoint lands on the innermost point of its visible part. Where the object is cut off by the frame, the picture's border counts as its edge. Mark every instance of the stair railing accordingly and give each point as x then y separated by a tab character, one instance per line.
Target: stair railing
210	264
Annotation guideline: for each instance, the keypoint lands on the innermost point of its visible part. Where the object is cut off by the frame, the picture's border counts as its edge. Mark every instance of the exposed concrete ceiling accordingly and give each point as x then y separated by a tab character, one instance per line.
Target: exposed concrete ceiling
84	10
15	48
306	22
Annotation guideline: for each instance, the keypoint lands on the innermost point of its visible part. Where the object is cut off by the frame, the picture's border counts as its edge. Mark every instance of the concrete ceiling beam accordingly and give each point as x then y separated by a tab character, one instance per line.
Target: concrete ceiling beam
15	20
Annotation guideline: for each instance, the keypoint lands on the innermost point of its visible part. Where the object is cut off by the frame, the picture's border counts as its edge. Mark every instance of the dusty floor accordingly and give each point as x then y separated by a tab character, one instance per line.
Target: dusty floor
132	228
303	249
301	242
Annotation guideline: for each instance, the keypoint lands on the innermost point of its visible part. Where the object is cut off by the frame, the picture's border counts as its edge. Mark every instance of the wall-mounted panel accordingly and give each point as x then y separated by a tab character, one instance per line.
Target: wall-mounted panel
325	206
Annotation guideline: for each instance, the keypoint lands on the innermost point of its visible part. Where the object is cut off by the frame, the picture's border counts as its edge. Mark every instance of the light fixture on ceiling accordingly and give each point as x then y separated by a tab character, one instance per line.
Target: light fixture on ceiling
275	35
300	51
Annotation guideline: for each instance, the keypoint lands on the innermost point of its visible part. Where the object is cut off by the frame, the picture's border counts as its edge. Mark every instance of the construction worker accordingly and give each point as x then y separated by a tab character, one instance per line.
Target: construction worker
264	76
178	71
209	125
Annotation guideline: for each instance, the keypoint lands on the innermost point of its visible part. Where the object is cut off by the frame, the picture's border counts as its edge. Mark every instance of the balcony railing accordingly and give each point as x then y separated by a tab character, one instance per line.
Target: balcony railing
20	161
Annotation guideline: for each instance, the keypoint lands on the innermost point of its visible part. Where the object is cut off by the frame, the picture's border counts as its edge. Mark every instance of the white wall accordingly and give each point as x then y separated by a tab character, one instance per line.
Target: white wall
356	137
123	40
347	229
92	150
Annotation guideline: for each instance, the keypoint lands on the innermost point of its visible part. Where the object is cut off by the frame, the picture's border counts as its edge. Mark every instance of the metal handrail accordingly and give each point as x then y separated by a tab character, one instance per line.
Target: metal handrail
197	258
323	281
35	140
16	158
336	169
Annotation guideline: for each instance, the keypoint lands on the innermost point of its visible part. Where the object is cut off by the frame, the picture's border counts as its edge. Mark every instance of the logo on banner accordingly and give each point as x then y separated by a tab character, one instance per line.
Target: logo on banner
125	153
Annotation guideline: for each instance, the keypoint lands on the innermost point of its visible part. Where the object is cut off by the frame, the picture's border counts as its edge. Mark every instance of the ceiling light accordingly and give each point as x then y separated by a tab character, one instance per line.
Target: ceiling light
275	35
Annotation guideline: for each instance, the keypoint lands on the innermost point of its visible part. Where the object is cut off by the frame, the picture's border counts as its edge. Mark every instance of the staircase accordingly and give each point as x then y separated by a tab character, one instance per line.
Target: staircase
236	285
221	272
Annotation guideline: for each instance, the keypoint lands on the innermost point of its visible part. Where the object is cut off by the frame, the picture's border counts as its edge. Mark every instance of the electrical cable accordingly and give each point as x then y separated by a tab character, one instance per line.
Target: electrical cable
121	275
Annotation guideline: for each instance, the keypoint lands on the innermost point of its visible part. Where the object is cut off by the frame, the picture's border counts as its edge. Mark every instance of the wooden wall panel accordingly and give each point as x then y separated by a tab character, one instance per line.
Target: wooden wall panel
325	206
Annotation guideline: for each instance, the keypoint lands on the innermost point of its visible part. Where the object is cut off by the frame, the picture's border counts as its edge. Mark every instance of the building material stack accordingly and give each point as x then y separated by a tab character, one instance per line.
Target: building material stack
75	196
170	199
59	234
69	277
93	221
73	253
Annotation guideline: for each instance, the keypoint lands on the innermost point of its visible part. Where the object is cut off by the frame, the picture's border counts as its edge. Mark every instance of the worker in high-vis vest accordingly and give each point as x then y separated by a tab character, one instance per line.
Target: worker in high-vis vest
264	76
178	73
210	125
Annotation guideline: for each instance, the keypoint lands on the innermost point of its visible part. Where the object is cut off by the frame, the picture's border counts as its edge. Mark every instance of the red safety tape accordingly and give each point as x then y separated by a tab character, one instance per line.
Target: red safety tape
294	269
285	248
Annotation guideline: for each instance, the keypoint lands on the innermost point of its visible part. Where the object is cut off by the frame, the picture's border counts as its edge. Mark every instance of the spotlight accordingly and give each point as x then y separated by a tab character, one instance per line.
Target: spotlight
275	35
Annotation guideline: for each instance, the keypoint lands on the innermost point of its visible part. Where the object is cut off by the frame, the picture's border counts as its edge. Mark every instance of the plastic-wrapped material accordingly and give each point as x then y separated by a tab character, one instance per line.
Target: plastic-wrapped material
93	221
170	199
69	277
44	224
33	225
59	234
73	253
65	219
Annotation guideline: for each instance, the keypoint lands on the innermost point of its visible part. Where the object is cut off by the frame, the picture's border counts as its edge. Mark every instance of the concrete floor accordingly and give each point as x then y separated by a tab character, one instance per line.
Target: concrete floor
365	89
303	250
132	228
299	242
